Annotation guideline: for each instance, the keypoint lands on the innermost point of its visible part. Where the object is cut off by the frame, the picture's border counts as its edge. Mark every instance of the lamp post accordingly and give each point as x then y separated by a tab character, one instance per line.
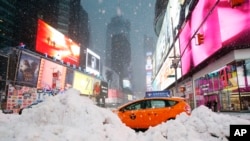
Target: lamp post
176	59
175	65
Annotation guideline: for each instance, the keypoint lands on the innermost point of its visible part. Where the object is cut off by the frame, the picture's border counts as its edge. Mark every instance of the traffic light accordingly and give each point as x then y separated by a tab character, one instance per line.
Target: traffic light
200	39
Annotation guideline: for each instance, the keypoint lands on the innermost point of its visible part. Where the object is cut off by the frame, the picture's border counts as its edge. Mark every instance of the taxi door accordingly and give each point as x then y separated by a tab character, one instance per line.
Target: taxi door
158	112
134	115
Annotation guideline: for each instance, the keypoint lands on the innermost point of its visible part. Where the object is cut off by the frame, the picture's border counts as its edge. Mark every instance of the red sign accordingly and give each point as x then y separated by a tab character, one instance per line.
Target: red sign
54	44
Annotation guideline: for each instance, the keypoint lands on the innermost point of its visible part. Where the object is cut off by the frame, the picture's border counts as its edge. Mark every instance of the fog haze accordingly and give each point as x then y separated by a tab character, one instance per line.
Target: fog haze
140	13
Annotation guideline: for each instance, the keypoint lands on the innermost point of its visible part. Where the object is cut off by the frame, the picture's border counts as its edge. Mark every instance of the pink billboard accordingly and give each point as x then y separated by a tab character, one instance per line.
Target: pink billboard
234	23
219	24
51	75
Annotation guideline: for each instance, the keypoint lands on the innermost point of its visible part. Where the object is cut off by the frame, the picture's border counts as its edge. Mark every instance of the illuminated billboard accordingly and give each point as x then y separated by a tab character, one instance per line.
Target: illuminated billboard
234	23
83	83
51	75
28	69
51	42
166	75
92	62
215	21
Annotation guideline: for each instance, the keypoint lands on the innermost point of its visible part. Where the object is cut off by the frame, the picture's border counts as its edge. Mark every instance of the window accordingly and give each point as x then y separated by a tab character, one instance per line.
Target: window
171	103
134	106
158	103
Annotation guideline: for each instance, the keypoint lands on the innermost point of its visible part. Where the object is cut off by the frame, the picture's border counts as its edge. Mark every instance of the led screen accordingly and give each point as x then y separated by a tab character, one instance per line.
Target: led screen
83	83
28	69
220	24
113	93
93	62
53	43
234	23
51	75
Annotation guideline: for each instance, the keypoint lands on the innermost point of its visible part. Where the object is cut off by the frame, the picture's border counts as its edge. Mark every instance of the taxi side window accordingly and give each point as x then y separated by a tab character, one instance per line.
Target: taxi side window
158	103
170	103
134	106
145	104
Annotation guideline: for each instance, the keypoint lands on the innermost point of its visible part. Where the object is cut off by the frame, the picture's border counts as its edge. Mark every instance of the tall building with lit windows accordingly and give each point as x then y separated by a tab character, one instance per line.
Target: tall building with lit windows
67	16
118	52
7	23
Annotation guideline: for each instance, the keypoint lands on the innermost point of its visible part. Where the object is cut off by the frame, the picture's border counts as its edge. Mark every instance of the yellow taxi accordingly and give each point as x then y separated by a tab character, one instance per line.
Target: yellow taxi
149	112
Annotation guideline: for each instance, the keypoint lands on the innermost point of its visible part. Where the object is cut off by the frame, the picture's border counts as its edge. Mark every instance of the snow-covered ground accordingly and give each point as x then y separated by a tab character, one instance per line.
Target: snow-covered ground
71	117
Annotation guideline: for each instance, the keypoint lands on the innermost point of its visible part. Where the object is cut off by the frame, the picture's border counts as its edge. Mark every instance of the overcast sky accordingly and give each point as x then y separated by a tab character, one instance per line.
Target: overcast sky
140	13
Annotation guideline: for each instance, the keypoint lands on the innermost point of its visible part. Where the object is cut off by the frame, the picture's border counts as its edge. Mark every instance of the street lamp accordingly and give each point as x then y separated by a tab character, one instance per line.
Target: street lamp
175	65
176	59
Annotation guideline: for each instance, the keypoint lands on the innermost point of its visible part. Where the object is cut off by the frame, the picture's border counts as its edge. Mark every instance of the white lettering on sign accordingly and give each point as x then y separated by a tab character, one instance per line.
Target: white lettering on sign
240	132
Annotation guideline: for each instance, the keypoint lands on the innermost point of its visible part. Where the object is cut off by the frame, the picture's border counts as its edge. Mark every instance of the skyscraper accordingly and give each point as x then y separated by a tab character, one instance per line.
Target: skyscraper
118	51
7	10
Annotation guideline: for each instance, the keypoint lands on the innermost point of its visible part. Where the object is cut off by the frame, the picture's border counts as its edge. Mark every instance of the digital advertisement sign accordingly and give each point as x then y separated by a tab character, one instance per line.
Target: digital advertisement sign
234	23
53	43
28	69
83	83
220	26
51	75
163	43
166	75
92	62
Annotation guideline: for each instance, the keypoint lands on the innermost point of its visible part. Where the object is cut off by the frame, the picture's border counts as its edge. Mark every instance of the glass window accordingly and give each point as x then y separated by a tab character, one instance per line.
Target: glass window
158	103
171	103
134	106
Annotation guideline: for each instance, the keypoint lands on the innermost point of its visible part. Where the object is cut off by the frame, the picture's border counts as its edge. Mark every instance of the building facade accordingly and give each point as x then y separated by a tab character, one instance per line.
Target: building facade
213	54
20	23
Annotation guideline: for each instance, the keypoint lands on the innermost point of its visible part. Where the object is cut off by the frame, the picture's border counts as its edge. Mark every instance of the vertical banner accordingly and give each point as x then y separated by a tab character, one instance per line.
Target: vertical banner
28	69
96	87
69	78
104	89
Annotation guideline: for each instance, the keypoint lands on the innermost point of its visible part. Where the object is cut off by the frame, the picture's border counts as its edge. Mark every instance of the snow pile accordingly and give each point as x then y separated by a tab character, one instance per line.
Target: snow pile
202	125
66	117
71	117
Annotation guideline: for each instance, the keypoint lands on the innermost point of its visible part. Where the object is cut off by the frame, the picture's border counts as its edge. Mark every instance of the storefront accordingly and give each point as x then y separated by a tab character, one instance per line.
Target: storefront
185	89
225	89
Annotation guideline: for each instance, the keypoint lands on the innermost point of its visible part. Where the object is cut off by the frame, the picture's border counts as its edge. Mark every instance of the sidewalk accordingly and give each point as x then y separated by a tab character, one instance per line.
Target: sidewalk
240	114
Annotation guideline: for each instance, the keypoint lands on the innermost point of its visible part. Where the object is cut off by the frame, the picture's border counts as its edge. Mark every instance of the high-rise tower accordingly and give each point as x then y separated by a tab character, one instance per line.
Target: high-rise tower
118	51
